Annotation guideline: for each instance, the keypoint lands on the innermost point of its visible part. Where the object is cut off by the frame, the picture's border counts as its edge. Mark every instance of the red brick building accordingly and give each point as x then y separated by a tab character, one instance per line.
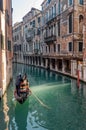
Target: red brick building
63	36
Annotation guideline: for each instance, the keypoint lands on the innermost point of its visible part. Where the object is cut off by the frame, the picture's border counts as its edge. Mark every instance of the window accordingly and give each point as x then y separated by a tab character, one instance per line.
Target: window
70	46
9	45
81	23
81	2
54	46
59	7
17	37
70	2
25	26
39	20
38	31
2	41
80	46
46	49
26	48
7	17
33	23
49	48
54	10
1	5
20	47
58	47
46	16
54	29
59	28
51	30
70	23
49	1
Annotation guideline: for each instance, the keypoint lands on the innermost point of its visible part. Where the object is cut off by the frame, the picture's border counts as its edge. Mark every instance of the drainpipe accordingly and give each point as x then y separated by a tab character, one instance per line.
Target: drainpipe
73	25
84	33
84	43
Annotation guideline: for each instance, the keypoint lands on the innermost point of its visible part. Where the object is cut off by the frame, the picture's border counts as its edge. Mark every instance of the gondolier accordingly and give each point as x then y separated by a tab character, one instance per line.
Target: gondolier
22	89
18	81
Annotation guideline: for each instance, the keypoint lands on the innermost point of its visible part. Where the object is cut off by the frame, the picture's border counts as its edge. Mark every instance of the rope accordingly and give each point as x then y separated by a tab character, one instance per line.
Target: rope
44	105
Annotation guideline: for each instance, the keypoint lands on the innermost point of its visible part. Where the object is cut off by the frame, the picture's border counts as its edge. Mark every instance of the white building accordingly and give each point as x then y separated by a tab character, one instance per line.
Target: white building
31	33
18	42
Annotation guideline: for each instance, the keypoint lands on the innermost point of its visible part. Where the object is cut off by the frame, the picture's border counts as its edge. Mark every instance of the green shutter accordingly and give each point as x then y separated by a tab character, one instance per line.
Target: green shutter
9	45
2	41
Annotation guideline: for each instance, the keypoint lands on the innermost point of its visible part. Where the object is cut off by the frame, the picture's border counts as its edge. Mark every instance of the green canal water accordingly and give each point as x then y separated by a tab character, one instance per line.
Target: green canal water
55	104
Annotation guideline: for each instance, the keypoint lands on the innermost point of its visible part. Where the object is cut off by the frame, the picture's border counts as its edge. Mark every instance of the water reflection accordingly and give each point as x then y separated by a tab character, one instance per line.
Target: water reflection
21	112
60	93
57	91
65	108
5	111
49	93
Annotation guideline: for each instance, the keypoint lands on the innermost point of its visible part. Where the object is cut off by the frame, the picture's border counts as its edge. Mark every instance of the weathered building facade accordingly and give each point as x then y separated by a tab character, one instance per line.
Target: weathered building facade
63	35
32	34
58	43
18	42
5	44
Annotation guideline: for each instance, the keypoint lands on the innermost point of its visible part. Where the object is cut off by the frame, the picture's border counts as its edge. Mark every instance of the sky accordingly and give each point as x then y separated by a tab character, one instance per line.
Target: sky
22	7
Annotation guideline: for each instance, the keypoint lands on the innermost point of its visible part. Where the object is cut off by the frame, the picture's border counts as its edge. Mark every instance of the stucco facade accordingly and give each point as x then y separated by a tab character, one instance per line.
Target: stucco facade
18	42
31	34
5	44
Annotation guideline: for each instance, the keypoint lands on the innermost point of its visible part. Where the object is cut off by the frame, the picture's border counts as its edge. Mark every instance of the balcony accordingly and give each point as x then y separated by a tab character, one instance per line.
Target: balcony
51	18
78	36
29	39
36	51
50	39
73	55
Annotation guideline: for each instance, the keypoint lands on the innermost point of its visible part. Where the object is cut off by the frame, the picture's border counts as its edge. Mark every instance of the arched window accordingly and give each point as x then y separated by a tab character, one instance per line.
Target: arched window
80	23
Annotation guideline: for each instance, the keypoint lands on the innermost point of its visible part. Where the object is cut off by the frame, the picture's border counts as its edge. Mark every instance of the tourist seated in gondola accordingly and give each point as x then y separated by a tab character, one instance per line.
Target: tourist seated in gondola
24	86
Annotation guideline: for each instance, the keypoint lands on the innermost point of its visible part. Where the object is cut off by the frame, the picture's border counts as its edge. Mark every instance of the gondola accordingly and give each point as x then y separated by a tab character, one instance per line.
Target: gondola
22	93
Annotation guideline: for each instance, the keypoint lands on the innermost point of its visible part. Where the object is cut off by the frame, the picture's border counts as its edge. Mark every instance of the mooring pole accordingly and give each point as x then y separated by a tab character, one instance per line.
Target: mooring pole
79	73
1	93
78	78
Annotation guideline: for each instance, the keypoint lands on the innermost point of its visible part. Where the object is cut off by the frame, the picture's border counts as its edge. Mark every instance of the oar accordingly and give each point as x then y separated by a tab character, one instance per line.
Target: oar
44	105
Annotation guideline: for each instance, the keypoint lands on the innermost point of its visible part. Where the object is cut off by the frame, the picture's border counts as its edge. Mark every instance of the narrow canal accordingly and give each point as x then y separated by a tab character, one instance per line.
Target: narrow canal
62	106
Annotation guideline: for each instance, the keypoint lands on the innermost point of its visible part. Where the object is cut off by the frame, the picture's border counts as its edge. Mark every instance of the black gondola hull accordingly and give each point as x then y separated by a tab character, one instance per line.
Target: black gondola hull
21	98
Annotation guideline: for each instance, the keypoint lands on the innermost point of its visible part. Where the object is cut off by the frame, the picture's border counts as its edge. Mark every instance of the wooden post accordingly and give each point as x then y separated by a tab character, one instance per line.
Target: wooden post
78	74
78	78
0	93
84	41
